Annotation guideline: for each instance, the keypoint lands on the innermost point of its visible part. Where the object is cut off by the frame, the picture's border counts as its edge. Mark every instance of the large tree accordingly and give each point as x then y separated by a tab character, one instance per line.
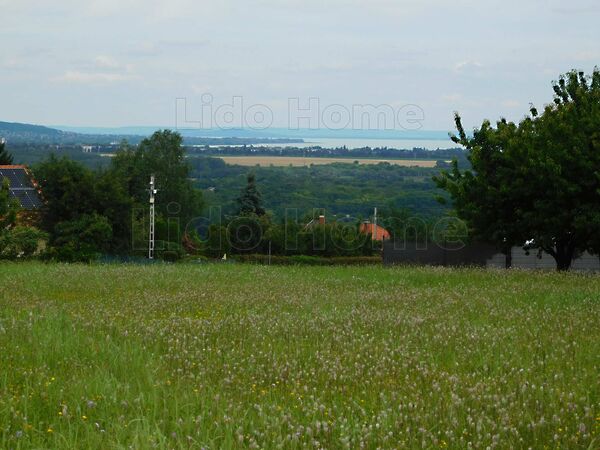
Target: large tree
68	187
163	156
78	202
536	183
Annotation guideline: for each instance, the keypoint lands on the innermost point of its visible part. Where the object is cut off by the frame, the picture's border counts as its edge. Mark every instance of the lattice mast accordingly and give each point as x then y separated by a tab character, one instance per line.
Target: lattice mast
153	192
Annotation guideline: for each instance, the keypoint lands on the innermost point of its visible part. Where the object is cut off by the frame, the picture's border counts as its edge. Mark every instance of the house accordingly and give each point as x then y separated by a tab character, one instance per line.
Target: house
24	188
377	232
319	221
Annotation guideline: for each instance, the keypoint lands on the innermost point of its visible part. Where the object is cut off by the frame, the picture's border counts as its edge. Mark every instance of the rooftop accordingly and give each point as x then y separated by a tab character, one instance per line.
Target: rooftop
22	186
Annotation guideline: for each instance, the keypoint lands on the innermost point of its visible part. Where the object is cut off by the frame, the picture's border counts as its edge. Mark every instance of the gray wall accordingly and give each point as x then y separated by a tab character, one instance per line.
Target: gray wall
482	255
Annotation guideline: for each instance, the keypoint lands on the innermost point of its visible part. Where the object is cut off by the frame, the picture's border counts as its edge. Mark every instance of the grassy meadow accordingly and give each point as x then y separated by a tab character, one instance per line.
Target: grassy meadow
243	356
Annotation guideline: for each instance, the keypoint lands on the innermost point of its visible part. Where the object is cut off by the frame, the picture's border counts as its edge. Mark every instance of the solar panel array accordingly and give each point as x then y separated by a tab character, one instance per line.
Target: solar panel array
21	187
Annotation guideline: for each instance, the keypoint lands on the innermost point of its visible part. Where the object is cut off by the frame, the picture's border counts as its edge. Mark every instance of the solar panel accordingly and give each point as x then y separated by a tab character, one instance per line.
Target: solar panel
21	187
22	179
17	178
33	199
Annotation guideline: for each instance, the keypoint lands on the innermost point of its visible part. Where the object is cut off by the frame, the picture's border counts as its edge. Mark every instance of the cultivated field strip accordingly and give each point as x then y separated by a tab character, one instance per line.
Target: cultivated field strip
299	161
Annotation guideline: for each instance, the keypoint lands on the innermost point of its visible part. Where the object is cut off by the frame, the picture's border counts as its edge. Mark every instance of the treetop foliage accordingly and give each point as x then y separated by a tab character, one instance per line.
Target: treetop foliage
5	157
536	183
250	200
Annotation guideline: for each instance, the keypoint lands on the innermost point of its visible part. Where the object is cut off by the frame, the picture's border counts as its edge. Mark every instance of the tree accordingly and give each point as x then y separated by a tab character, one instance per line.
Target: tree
564	141
217	241
83	239
406	226
536	183
6	158
250	200
79	199
76	196
8	207
487	195
163	156
113	202
69	190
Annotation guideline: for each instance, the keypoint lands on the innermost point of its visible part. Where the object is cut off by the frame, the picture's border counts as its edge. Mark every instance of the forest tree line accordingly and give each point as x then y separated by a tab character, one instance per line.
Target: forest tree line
89	213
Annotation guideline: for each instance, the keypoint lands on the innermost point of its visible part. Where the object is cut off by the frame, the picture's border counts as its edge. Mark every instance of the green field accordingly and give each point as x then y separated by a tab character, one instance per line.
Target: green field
229	356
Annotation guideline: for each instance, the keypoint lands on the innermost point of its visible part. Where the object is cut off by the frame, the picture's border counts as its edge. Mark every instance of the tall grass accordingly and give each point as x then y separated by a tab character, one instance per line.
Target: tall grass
226	356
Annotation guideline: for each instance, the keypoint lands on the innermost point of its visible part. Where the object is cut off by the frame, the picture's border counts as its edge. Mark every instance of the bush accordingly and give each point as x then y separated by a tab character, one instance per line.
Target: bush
20	242
308	260
81	240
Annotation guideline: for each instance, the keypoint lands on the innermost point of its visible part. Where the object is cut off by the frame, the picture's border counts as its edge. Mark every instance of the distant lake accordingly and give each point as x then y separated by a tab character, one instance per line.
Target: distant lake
361	143
427	139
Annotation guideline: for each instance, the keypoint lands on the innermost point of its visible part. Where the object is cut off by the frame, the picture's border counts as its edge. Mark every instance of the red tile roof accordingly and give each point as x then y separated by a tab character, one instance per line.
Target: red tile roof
368	228
13	166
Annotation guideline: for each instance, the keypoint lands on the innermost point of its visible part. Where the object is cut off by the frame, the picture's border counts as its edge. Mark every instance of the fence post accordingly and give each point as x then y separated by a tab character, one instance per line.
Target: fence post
444	253
508	258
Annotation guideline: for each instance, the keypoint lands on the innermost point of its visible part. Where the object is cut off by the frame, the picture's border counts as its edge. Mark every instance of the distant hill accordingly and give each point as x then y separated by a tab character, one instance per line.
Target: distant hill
23	132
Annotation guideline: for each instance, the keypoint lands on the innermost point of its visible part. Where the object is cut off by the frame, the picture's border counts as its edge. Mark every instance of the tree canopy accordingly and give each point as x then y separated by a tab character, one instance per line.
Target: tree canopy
536	183
163	156
250	199
5	157
78	202
89	213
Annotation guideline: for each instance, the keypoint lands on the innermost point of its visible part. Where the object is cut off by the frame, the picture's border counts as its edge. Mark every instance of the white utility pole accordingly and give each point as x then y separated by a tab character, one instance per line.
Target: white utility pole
375	225
151	234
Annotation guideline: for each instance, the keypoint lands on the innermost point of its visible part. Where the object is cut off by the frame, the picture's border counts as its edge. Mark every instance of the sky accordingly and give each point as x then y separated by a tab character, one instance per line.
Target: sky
125	62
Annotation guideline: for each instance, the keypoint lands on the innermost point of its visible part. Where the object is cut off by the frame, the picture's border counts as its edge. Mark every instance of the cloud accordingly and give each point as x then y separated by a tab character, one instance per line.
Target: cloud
584	9
451	97
199	89
510	103
467	66
104	70
167	46
587	56
12	64
106	62
74	76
